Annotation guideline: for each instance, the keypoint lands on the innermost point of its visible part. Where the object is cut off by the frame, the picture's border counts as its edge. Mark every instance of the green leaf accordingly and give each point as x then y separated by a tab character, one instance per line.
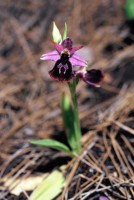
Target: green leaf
56	34
129	9
68	119
65	32
50	187
52	144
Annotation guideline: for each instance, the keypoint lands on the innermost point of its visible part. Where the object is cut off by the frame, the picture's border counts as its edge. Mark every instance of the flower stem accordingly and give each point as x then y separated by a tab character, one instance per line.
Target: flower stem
77	129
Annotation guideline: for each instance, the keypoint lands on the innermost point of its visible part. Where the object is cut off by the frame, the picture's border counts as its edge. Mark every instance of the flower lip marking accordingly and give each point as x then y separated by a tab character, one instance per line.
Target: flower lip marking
62	69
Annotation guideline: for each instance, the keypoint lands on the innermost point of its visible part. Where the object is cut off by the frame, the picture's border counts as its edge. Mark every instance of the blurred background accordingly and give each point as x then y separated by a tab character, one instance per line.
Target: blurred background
29	99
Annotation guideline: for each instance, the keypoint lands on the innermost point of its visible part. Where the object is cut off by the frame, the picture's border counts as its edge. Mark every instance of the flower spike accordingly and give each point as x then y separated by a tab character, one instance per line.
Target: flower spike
66	59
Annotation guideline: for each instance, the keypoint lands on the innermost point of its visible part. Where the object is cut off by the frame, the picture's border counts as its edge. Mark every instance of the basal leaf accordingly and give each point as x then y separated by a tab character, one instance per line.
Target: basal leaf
52	144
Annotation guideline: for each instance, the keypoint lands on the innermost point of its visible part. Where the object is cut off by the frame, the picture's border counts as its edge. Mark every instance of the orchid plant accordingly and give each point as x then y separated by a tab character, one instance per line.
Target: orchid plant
70	68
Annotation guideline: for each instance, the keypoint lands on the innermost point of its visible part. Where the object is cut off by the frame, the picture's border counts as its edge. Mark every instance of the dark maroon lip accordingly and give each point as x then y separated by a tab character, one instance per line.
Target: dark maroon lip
62	70
94	76
57	79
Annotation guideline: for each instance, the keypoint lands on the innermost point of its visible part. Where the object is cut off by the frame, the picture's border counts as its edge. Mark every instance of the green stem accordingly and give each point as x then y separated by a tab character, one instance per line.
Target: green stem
72	88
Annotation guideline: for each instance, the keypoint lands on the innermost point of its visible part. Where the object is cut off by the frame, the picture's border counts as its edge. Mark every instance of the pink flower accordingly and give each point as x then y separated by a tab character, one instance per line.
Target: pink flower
66	59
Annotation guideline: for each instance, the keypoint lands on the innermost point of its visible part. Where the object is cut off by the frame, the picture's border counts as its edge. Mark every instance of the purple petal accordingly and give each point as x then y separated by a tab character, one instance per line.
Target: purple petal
75	49
103	198
76	60
58	47
53	55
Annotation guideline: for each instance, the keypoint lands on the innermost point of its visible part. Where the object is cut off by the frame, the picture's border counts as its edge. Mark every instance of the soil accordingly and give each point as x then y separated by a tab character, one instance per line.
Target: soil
30	99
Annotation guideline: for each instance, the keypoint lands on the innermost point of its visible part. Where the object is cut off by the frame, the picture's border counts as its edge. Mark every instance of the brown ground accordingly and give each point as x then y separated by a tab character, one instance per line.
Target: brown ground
29	99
